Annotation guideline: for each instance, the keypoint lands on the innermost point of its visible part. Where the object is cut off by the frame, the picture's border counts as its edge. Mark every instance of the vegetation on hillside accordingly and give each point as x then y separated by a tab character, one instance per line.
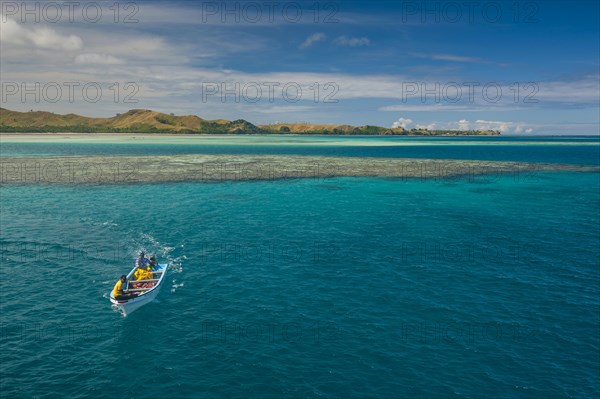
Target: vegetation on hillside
146	121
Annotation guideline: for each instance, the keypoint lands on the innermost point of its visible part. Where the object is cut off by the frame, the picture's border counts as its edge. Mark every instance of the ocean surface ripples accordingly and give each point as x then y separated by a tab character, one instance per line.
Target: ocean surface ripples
337	288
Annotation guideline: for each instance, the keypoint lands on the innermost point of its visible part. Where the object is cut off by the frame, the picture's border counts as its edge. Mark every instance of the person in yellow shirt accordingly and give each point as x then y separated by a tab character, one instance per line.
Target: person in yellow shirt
118	292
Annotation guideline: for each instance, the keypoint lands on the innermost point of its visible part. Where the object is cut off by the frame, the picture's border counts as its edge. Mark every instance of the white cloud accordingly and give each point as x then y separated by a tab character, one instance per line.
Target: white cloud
431	126
480	124
170	70
43	38
523	129
277	109
312	39
11	32
585	89
352	41
503	127
50	39
427	108
97	59
450	57
450	108
269	14
558	94
402	122
463	124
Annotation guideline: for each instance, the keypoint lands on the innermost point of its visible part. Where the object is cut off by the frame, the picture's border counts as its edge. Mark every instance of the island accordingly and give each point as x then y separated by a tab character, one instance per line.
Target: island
147	121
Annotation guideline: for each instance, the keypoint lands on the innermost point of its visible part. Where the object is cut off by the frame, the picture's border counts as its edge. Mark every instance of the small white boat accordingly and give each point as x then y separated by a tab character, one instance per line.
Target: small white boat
145	294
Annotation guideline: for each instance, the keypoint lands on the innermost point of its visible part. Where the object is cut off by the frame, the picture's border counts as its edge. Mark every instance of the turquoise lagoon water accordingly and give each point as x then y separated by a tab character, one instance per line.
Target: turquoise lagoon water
555	149
318	288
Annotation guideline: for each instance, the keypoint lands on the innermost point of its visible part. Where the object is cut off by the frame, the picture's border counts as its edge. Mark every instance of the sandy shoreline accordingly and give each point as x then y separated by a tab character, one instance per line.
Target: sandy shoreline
221	168
269	140
203	139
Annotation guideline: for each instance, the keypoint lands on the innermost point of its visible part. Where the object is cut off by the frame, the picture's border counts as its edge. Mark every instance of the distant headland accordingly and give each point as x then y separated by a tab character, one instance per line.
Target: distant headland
147	121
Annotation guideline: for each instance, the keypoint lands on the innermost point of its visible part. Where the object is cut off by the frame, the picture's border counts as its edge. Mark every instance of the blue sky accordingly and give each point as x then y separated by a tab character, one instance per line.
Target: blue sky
521	67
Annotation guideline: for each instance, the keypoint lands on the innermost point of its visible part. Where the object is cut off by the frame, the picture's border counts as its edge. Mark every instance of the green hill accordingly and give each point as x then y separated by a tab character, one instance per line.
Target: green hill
146	121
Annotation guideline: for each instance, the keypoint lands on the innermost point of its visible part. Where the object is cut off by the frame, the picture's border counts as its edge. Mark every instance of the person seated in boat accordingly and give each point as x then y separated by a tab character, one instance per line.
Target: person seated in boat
142	261
143	272
119	293
153	263
143	266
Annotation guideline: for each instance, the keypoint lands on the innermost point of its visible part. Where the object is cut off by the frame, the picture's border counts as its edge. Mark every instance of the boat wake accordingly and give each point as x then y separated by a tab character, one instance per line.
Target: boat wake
117	309
171	255
175	285
168	255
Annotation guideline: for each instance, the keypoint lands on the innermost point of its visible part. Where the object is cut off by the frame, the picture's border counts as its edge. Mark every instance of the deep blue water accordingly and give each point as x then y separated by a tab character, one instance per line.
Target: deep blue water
328	288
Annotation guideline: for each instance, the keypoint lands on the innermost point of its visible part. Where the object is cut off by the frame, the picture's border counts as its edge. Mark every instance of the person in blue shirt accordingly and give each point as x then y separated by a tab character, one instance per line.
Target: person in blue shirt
142	261
144	271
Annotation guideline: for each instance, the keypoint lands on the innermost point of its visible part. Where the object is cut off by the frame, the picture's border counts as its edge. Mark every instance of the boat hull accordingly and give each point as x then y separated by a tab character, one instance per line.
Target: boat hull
131	305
